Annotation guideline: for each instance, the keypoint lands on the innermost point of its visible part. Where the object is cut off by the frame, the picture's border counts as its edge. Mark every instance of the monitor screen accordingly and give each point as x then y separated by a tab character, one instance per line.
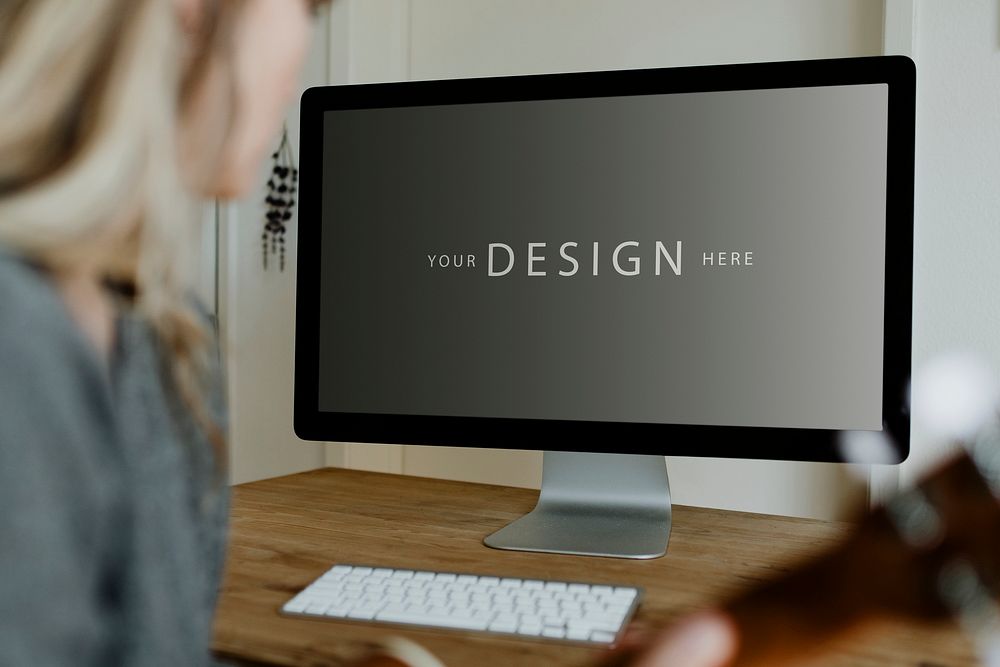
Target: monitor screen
703	258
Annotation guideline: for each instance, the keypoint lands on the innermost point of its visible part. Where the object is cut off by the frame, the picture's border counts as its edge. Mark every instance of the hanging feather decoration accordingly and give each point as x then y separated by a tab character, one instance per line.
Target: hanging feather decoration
280	201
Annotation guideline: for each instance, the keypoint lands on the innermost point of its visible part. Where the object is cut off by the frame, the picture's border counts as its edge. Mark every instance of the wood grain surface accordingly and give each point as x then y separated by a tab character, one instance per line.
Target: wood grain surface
287	531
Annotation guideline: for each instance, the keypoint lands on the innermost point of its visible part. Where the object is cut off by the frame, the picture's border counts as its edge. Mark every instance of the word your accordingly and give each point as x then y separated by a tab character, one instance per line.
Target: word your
454	261
567	253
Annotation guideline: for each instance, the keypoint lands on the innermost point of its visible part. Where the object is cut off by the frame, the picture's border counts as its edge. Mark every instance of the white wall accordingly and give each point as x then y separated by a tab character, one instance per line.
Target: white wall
957	234
957	226
418	39
451	38
256	310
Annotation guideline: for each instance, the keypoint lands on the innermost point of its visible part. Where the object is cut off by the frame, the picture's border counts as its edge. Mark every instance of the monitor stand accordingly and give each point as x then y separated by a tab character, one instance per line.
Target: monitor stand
613	505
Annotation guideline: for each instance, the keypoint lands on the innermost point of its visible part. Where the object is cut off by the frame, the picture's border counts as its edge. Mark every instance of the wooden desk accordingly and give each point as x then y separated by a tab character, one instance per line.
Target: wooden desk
289	530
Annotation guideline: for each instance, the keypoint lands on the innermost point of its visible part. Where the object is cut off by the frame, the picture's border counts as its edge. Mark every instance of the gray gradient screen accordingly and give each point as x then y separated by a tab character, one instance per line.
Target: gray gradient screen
707	258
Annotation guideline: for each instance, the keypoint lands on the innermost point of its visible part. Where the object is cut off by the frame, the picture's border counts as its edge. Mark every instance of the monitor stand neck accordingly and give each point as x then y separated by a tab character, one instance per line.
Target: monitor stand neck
613	505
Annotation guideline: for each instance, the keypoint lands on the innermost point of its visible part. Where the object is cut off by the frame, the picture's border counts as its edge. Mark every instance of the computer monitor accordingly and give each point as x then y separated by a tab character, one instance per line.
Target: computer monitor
610	267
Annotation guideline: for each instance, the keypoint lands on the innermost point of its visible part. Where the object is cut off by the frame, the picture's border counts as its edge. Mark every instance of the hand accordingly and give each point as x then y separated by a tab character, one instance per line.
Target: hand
399	652
706	639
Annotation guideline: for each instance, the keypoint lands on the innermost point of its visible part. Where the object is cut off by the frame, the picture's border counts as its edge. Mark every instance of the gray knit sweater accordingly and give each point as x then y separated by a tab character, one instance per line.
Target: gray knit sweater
112	516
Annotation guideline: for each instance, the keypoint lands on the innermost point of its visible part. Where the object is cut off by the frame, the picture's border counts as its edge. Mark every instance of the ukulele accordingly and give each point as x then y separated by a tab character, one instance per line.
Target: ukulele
931	553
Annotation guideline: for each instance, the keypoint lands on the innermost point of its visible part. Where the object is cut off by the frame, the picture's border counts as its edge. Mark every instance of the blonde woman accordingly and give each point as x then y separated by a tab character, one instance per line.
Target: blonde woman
115	115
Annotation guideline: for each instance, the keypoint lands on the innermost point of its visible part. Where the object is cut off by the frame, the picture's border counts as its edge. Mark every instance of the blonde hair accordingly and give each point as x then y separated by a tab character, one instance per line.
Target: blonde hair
90	99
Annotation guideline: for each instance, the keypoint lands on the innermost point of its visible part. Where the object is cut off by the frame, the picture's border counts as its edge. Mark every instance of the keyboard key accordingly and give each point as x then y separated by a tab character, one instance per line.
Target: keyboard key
337	612
602	637
296	605
499	626
316	608
581	624
429	619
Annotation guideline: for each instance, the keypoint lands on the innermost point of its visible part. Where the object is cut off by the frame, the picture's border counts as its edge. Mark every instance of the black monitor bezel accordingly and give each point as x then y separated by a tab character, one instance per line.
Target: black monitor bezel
594	436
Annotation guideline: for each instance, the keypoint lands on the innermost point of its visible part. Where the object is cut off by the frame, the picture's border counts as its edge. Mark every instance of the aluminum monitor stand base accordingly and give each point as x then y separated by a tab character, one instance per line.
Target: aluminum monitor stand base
612	505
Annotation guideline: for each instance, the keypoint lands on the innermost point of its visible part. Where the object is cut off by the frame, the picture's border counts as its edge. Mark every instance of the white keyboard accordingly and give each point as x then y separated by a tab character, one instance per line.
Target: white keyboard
529	608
